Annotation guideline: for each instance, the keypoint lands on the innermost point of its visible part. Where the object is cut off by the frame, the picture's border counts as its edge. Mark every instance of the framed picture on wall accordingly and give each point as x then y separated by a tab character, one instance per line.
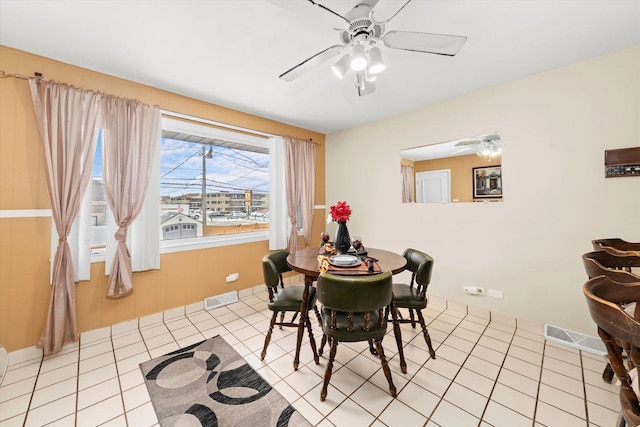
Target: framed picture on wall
487	182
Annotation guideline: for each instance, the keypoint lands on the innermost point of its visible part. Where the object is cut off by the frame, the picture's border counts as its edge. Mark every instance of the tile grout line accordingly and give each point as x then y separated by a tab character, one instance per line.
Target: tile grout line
441	398
33	391
495	382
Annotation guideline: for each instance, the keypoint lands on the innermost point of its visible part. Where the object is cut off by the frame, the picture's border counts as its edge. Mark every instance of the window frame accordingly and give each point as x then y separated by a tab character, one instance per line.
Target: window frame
184	123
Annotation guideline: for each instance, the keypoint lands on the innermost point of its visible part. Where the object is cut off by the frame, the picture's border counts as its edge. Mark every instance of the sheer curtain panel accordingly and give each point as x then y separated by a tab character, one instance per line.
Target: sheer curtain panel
300	172
407	183
278	218
68	121
130	131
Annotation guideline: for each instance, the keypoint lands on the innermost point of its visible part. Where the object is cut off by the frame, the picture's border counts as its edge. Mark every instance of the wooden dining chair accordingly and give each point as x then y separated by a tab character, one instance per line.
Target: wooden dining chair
353	310
617	246
613	266
283	299
413	296
604	299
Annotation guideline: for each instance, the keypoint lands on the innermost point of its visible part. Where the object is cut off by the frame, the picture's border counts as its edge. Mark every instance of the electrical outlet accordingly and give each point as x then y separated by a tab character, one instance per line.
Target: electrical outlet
495	294
232	277
473	290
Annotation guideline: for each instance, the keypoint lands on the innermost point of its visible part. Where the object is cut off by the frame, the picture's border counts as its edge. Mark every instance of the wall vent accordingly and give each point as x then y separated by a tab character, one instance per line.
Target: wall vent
220	300
575	340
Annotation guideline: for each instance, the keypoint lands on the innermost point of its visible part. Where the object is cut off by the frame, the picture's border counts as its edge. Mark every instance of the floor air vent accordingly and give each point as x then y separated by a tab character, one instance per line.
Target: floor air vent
575	340
220	300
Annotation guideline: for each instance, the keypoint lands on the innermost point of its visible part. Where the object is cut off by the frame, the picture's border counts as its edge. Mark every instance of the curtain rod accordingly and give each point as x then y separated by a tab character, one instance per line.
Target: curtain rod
4	75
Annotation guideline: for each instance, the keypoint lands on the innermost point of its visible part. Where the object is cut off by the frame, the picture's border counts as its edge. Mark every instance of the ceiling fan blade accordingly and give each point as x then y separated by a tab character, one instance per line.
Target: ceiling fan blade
468	142
461	150
328	10
309	63
386	21
303	6
440	44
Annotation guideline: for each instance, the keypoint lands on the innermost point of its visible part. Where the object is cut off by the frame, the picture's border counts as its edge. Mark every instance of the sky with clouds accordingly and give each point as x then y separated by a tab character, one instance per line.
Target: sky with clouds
228	170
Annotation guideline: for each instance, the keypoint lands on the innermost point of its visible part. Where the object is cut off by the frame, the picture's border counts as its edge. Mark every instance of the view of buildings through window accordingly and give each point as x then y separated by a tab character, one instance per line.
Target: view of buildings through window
200	163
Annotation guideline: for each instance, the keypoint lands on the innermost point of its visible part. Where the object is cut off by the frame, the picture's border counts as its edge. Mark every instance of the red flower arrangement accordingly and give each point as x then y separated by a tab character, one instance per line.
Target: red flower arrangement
340	212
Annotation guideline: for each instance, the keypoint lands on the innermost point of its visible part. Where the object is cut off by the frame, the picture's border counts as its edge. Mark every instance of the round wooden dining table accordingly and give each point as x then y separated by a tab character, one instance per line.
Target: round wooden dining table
305	261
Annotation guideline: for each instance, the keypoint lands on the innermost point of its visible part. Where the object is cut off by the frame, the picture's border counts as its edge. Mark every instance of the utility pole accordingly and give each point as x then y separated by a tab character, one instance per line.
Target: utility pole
203	204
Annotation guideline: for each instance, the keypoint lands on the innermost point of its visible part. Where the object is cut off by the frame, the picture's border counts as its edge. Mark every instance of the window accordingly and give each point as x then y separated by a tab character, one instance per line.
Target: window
213	179
228	169
99	206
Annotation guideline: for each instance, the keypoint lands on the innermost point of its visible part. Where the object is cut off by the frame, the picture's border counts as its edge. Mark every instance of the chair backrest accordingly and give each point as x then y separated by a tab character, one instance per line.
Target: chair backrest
273	265
355	294
604	299
420	264
615	245
603	263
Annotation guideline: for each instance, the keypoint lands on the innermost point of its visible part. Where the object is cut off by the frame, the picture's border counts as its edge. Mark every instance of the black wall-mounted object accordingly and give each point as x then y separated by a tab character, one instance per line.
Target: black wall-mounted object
622	162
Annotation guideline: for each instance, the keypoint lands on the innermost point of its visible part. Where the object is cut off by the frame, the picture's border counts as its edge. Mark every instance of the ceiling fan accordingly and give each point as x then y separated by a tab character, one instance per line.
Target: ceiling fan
488	145
360	40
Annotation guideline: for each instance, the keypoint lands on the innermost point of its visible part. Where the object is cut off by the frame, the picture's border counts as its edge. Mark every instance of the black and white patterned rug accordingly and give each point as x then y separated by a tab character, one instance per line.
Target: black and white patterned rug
210	384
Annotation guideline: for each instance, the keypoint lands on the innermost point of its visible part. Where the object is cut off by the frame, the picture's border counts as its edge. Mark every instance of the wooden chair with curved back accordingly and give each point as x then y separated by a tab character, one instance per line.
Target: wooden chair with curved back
613	266
618	247
283	299
353	310
604	299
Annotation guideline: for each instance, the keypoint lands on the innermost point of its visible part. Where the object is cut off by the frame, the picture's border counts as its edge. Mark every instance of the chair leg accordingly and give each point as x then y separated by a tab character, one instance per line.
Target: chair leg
427	338
328	371
385	367
372	348
322	343
267	339
281	318
315	309
607	374
398	335
413	320
312	341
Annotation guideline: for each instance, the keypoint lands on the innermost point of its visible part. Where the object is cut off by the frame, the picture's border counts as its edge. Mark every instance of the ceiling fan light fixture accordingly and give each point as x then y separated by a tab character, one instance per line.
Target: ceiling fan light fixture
341	67
358	59
364	85
376	64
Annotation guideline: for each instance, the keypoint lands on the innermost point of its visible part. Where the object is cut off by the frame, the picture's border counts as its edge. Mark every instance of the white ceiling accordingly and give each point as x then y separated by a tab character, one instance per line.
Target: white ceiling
231	53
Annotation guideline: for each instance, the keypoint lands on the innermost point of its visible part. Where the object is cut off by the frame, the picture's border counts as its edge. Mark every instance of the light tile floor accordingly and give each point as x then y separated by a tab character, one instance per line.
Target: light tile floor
488	372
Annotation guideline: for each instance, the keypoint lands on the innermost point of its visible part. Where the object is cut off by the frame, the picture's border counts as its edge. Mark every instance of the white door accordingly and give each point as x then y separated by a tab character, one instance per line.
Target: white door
433	186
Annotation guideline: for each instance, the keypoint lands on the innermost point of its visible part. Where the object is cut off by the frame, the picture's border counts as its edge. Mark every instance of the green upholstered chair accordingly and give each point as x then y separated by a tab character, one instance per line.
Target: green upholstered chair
353	310
285	299
413	296
605	299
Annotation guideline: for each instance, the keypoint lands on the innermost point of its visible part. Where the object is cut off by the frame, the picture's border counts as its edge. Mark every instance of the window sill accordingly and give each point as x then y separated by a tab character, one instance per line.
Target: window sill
182	245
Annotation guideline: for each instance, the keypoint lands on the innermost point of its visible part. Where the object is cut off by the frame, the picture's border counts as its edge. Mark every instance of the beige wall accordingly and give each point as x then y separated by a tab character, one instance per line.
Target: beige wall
554	127
184	278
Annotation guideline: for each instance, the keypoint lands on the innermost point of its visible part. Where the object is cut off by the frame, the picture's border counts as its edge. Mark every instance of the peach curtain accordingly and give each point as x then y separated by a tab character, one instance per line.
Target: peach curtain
407	183
130	131
68	121
300	172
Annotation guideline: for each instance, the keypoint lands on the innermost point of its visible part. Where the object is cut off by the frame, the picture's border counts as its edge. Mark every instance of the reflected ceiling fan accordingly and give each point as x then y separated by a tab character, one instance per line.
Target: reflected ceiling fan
488	145
360	40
